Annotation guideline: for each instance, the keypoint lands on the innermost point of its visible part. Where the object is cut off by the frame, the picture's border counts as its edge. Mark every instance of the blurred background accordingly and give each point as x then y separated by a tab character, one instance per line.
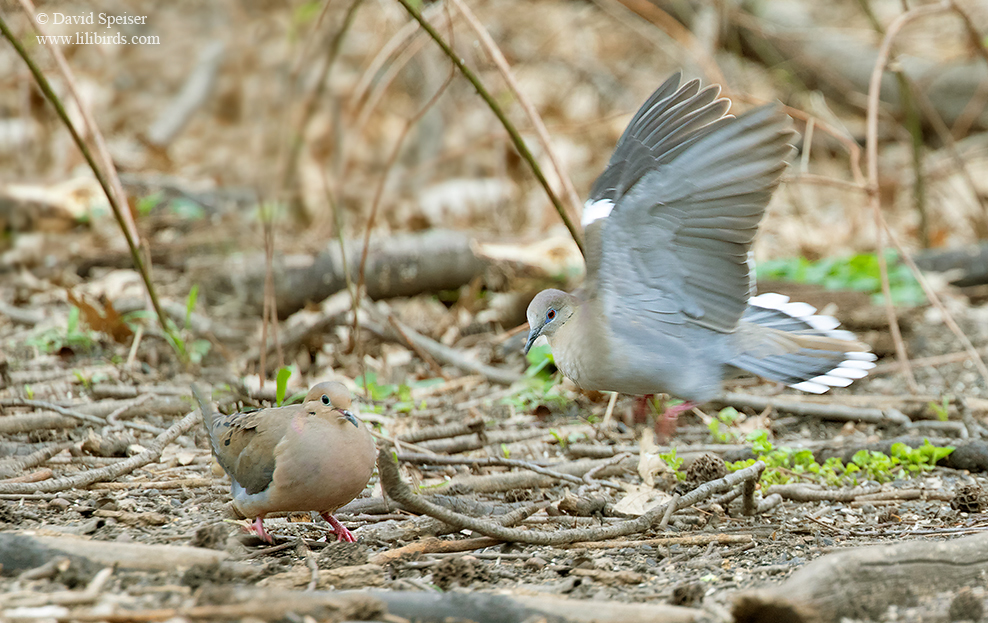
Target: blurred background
238	127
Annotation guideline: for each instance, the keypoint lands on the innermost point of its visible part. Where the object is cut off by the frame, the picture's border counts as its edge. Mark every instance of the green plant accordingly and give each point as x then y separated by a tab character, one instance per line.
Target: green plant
190	303
858	272
718	426
402	391
146	204
538	386
674	462
941	410
281	384
784	465
74	337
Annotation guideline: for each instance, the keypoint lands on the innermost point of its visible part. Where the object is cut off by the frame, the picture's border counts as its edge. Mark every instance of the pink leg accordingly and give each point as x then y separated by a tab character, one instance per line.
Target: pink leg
643	407
665	426
342	534
257	527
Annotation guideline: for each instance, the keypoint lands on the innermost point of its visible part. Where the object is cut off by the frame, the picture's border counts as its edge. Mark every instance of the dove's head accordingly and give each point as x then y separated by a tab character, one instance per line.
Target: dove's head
548	311
331	400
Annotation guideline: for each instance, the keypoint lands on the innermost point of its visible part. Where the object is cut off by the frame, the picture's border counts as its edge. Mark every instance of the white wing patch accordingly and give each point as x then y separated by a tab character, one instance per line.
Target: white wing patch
595	210
856	364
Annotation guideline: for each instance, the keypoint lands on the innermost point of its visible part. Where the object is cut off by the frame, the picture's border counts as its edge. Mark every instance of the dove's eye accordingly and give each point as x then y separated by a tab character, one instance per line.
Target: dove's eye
550	315
325	399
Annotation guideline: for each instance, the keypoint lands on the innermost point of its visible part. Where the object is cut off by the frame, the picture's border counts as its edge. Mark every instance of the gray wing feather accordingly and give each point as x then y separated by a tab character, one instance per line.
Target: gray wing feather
674	248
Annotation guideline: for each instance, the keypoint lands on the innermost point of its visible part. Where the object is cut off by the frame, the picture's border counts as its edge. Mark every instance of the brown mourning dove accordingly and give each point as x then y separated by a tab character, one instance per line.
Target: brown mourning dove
316	456
668	302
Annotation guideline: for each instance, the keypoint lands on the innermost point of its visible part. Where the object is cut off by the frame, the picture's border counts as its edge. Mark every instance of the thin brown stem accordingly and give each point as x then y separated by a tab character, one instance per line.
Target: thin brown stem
526	104
119	208
871	155
516	137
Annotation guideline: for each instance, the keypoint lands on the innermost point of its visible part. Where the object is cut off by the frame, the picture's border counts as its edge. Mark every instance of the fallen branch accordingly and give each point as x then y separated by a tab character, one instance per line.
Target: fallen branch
838	412
862	582
150	455
443	353
392	484
689	541
433	546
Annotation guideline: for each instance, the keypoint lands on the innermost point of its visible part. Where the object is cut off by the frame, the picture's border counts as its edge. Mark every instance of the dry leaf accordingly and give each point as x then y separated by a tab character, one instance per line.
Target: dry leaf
107	321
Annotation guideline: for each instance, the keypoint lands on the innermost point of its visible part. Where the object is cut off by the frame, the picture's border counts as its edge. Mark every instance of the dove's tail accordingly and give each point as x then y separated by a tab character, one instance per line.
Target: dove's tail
789	343
208	415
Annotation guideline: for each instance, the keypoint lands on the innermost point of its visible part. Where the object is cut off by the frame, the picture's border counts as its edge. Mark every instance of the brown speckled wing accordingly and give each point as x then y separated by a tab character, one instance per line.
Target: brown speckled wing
244	443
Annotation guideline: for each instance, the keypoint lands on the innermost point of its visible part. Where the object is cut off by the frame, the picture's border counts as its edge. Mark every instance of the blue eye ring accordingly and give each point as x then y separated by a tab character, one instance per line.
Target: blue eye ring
550	315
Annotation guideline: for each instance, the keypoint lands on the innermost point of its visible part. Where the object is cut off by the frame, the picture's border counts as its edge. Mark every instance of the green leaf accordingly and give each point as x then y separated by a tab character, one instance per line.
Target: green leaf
284	372
190	303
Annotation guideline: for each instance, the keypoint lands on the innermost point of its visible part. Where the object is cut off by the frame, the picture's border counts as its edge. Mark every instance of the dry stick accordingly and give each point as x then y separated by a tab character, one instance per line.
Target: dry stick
9	466
297	135
444	431
516	138
120	209
150	455
494	460
526	104
426	357
447	355
85	417
396	489
690	541
433	545
396	150
871	151
373	69
975	37
945	135
819	410
948	319
376	203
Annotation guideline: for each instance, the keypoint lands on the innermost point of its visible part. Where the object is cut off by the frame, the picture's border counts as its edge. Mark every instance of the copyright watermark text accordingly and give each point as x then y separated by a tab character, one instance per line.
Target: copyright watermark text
106	20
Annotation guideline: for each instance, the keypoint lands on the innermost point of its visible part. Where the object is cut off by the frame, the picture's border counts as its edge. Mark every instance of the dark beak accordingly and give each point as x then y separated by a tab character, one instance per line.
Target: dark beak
350	417
532	336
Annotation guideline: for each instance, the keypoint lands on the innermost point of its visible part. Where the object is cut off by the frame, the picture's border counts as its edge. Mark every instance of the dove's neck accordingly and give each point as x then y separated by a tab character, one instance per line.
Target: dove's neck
577	347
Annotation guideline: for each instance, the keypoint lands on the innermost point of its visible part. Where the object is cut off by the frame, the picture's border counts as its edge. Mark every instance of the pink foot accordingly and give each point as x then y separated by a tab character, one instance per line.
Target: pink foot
258	528
643	407
342	534
665	426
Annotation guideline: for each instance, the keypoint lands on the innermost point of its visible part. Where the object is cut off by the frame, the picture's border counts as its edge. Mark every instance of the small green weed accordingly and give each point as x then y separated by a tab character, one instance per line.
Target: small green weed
281	381
539	386
74	337
719	426
784	465
402	392
674	462
941	410
858	272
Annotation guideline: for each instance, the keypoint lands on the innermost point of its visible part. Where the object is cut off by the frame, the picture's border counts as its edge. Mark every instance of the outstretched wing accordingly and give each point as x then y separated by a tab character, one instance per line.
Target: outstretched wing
671	220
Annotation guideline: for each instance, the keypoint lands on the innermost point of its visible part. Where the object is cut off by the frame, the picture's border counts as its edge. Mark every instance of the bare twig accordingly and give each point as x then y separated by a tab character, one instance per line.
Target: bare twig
948	319
150	455
516	138
108	179
533	115
871	152
399	491
443	353
297	136
830	411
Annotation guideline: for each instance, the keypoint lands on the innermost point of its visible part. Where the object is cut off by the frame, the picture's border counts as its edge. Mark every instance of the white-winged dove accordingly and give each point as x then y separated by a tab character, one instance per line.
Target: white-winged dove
316	456
668	302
